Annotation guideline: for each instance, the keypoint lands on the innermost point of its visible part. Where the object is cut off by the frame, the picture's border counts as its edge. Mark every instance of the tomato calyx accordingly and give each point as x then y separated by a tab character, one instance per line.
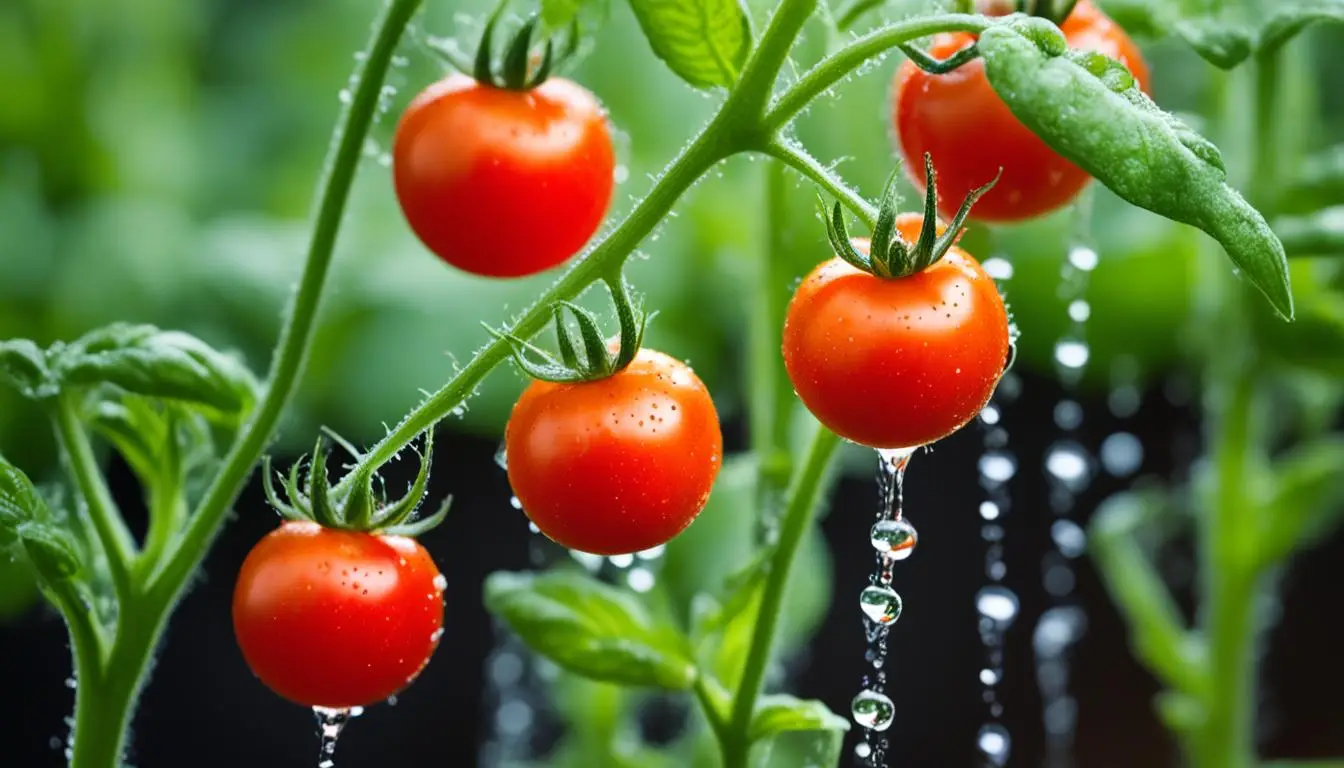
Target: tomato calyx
889	255
517	71
354	506
600	359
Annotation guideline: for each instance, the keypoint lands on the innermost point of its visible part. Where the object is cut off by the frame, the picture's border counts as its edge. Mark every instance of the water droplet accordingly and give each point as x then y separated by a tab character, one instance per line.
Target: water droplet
998	466
330	723
506	669
998	604
1069	538
990	415
440	583
513	717
873	710
895	539
1058	629
1079	310
1124	402
1121	454
640	579
345	96
880	604
1069	463
863	750
1068	414
1084	258
502	457
515	502
590	562
998	268
652	553
1071	353
620	174
621	561
989	510
994	743
990	676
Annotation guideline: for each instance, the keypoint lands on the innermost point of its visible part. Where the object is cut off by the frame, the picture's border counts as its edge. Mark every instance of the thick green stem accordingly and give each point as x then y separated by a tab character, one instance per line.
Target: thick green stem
113	535
840	64
804	498
296	337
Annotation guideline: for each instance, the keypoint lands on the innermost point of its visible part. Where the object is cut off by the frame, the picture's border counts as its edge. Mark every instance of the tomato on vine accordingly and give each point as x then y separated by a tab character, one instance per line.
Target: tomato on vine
340	607
616	454
504	177
897	342
335	618
958	119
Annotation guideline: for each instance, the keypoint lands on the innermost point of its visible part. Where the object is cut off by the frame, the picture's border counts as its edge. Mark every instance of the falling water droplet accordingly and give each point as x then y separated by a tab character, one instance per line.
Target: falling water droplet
998	466
880	604
998	268
640	579
894	539
1083	257
873	710
1071	353
995	743
330	723
621	561
1069	538
1121	454
502	457
998	604
1069	464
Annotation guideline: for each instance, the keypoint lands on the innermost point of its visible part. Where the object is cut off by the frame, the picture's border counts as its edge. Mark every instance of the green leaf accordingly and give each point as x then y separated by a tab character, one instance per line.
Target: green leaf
557	15
1288	19
1143	18
24	516
1108	127
778	713
590	628
1222	44
704	41
798	749
1308	500
23	366
144	360
1319	234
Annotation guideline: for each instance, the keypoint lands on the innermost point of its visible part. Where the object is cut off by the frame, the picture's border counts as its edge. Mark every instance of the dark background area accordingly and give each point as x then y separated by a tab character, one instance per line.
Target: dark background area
203	708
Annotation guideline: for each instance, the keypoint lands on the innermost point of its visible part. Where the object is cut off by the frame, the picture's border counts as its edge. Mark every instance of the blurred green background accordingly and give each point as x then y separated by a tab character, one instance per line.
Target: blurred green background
157	160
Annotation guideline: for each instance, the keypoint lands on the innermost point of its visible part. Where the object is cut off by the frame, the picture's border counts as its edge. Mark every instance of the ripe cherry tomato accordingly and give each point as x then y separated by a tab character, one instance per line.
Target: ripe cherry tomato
616	465
503	183
959	119
896	363
330	618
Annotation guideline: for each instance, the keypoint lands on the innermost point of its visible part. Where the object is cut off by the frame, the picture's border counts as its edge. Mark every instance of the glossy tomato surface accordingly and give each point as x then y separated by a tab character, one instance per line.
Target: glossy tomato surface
334	618
616	465
503	183
896	363
970	133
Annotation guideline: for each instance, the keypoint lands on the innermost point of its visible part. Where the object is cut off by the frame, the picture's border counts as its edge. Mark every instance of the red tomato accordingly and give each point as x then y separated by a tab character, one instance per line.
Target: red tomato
616	465
896	363
960	120
503	183
330	618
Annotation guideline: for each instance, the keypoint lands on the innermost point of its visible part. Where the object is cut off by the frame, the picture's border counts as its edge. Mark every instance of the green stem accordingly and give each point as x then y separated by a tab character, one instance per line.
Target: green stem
771	401
693	162
803	162
296	337
763	65
105	697
1226	739
804	498
113	535
840	64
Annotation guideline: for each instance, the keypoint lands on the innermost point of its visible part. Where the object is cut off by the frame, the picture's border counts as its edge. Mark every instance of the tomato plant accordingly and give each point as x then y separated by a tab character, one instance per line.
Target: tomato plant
615	448
331	618
960	120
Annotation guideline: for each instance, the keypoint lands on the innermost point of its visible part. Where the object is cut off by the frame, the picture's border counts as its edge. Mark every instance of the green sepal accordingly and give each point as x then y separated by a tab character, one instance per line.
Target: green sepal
597	361
515	71
889	255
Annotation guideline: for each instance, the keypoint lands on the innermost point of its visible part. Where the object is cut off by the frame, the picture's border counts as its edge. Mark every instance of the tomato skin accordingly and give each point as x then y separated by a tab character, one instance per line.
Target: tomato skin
970	133
896	363
617	465
503	183
330	618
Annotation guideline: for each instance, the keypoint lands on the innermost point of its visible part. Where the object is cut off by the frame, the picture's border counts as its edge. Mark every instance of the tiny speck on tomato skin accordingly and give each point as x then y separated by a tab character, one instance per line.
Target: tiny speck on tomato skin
597	472
320	640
